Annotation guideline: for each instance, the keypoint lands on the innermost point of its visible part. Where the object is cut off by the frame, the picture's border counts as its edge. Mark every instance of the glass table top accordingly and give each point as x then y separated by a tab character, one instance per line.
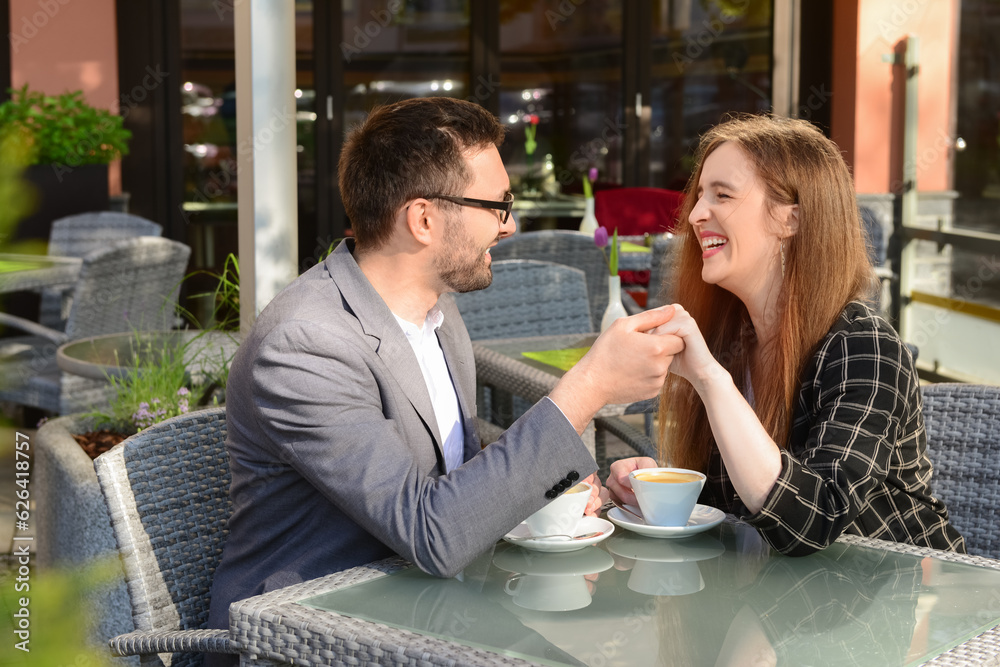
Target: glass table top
718	598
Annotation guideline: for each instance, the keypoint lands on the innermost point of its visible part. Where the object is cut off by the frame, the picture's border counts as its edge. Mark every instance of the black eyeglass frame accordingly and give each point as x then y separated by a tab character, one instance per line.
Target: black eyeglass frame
506	205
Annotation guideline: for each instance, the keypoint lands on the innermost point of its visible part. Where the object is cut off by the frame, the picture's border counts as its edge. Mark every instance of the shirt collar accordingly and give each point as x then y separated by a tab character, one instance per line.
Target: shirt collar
433	322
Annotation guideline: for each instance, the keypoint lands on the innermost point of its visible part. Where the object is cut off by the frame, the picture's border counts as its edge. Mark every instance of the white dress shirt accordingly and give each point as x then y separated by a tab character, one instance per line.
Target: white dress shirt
440	386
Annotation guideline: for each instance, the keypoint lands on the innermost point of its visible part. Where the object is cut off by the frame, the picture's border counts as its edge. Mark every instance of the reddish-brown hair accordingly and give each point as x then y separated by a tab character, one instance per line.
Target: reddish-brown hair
826	266
410	149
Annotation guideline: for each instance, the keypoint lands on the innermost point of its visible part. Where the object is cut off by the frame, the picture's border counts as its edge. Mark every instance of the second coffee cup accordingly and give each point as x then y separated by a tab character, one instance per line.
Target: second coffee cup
666	496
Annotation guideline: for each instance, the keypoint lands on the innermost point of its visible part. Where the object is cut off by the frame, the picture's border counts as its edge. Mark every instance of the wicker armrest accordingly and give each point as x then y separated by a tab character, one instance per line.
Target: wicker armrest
628	434
33	328
177	641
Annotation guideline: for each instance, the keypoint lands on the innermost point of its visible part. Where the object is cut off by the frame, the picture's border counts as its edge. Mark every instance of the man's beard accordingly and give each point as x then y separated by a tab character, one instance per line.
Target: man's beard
461	267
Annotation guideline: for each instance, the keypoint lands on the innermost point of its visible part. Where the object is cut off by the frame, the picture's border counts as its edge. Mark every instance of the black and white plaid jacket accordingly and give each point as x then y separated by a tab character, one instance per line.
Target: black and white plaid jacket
856	459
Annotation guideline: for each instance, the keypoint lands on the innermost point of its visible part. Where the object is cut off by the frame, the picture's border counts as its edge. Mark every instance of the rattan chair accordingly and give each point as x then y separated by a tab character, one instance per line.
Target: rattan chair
527	298
78	236
167	492
563	247
131	285
963	433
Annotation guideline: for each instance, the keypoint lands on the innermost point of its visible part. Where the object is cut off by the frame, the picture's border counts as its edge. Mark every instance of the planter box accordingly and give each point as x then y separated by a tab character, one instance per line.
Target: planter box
73	528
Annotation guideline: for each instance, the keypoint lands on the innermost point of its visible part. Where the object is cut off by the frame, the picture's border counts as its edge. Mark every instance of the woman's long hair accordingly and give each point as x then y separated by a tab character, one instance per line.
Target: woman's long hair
826	267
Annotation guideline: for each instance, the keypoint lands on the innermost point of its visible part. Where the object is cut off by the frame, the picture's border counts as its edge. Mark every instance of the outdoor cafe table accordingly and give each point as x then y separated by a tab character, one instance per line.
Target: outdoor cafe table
20	272
718	598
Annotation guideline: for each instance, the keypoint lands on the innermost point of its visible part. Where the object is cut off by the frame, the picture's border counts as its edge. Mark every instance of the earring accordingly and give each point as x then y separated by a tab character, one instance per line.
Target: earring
782	251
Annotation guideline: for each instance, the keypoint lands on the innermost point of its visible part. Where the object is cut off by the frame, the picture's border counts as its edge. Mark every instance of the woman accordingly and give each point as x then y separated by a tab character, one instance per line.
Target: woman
797	400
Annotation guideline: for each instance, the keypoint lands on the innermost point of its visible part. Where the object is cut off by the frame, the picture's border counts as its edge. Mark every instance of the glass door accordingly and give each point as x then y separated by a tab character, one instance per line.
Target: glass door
561	93
710	58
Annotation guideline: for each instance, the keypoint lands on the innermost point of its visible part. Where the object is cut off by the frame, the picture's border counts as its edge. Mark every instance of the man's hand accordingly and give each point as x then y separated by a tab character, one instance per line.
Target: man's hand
628	362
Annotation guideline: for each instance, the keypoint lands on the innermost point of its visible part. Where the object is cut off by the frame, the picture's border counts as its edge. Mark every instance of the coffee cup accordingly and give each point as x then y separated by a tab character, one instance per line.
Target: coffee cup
562	513
666	496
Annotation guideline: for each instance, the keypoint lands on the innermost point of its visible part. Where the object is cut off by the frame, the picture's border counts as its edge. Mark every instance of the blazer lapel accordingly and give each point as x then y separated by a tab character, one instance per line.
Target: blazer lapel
387	338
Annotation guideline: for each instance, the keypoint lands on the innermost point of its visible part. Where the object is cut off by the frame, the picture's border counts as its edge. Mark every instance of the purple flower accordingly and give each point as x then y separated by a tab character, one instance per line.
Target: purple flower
592	174
183	391
601	237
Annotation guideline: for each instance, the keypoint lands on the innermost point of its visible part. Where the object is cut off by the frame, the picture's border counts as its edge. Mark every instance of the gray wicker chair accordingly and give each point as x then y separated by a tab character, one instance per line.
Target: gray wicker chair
132	285
527	298
78	236
563	247
167	492
963	433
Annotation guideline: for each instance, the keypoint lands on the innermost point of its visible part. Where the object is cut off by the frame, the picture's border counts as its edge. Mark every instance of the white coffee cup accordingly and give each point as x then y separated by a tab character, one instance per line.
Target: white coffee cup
666	496
562	514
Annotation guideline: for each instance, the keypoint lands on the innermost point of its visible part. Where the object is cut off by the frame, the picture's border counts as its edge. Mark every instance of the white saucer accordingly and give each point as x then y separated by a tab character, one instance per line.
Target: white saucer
588	524
702	518
586	561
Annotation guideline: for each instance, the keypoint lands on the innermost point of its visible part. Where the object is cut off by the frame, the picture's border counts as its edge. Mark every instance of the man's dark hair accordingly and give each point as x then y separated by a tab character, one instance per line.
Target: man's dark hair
407	150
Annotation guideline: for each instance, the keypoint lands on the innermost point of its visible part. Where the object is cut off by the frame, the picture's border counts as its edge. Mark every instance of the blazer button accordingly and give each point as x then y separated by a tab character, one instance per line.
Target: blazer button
563	485
551	494
573	475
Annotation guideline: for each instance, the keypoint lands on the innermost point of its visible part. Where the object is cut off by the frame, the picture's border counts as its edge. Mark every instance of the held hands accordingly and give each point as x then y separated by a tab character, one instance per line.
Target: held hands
694	362
625	363
618	481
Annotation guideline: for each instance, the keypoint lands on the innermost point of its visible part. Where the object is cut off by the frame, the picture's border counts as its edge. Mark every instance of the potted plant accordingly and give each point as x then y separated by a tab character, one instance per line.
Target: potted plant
73	528
71	144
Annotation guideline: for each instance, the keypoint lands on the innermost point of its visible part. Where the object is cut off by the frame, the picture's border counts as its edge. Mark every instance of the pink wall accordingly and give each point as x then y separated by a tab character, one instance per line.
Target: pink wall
881	24
64	45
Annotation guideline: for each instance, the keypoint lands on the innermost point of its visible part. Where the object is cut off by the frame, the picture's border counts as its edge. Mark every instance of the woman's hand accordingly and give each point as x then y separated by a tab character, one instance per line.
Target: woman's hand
598	496
695	362
618	482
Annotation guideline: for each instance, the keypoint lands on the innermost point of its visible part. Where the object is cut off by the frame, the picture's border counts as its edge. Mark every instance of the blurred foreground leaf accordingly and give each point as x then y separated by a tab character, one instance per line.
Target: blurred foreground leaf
58	619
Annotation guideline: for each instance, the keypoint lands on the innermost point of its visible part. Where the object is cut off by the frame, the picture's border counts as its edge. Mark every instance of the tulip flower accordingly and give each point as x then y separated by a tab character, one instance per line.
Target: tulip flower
601	241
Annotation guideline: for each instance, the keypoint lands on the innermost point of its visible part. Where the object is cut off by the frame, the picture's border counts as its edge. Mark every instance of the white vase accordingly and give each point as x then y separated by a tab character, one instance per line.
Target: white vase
615	308
588	225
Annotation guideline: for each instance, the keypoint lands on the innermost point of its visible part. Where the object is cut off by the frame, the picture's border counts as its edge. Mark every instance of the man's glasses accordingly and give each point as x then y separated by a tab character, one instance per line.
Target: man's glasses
505	205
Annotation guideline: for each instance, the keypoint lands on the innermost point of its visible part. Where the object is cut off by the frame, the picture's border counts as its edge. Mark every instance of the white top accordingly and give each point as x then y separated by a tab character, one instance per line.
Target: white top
440	386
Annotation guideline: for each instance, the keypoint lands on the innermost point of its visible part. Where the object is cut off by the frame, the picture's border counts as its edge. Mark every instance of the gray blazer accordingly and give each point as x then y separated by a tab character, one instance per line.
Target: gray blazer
335	455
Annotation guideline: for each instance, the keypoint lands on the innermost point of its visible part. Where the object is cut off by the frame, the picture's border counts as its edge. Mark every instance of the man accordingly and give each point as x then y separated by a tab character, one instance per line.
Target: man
351	402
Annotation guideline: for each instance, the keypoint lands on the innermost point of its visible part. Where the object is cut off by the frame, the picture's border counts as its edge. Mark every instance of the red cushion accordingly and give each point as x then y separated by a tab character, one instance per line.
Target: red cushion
636	211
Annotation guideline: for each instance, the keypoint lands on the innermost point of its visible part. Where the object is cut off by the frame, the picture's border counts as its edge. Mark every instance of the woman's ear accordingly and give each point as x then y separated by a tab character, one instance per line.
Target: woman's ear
790	225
